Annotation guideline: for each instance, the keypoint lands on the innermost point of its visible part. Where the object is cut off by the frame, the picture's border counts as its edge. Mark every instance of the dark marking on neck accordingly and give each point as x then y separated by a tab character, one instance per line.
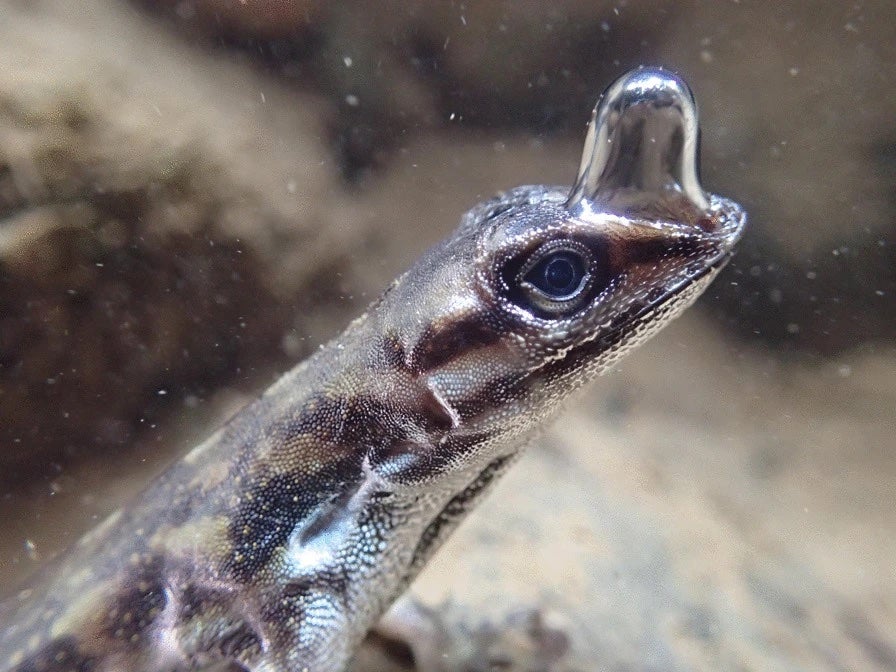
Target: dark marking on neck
60	654
232	638
457	507
124	626
274	505
139	602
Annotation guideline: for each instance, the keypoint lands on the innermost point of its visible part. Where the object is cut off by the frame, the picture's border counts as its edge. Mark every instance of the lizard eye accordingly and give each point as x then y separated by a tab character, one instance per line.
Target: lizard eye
553	280
558	275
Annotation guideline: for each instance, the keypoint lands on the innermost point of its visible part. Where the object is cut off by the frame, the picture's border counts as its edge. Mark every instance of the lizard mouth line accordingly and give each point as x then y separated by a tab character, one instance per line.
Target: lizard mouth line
709	270
607	340
704	275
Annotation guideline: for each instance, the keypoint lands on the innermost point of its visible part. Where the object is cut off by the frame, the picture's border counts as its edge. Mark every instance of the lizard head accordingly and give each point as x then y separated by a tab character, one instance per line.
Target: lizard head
543	288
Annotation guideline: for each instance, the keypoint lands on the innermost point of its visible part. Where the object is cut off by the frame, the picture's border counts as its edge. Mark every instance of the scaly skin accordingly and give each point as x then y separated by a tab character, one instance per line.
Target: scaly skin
278	542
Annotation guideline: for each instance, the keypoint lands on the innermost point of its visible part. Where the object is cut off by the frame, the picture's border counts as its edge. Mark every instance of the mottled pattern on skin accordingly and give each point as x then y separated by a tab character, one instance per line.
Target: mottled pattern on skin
277	543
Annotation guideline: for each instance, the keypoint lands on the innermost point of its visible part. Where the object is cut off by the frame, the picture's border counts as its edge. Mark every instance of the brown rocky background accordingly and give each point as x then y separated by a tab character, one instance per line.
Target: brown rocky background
195	193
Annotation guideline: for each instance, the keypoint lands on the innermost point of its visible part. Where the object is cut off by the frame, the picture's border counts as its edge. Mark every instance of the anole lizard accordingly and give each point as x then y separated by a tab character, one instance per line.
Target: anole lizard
278	542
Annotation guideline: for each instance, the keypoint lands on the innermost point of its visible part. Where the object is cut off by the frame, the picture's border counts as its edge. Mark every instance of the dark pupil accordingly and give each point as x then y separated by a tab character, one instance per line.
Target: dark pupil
558	275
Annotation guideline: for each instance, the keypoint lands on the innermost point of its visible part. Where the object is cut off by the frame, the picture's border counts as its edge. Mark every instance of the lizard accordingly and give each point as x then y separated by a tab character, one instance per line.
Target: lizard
277	543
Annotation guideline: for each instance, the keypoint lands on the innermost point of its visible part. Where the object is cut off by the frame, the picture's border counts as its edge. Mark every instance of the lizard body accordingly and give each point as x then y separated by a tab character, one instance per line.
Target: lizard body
278	542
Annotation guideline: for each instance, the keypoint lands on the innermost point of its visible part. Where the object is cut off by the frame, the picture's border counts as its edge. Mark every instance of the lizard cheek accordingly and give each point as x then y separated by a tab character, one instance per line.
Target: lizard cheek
418	455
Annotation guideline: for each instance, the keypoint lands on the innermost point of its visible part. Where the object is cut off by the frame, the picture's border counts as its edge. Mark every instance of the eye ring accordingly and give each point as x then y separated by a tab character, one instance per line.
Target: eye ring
556	277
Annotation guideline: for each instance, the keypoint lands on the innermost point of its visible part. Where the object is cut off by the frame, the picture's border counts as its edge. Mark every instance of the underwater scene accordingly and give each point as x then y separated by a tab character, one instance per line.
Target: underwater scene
198	195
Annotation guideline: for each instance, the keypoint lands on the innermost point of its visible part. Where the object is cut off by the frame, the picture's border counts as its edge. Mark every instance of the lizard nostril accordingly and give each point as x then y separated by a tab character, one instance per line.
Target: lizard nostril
707	223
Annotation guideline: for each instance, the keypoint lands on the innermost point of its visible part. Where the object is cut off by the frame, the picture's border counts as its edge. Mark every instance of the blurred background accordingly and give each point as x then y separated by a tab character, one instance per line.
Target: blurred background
194	194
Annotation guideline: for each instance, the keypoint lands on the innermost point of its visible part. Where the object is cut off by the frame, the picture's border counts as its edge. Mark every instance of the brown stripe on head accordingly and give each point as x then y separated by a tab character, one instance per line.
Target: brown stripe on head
640	245
390	355
333	424
450	338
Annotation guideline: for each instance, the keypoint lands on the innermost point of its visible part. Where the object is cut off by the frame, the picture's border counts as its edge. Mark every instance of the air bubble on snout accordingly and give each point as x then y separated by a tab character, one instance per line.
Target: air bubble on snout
641	151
